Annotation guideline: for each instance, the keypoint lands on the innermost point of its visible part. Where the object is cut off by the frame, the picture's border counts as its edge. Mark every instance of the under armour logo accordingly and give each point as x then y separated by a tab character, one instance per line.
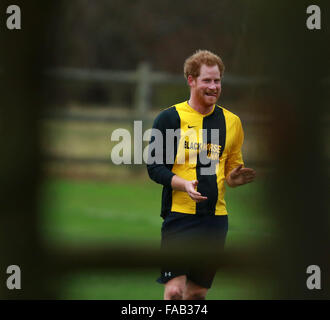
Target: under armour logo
167	274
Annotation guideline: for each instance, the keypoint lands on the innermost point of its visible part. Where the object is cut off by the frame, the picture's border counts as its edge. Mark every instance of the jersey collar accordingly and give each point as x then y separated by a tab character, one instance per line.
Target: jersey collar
195	111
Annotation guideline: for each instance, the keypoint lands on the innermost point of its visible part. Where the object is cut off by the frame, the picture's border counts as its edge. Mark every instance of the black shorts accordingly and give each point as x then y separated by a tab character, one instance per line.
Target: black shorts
190	231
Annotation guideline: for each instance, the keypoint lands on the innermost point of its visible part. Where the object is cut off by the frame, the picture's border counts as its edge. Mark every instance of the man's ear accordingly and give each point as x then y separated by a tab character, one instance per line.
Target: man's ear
191	80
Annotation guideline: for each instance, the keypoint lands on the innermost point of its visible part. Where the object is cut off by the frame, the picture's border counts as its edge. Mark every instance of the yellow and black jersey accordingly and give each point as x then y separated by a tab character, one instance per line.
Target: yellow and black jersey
188	163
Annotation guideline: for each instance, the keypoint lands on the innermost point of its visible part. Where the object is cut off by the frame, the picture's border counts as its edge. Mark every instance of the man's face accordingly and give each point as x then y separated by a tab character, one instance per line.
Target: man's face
206	88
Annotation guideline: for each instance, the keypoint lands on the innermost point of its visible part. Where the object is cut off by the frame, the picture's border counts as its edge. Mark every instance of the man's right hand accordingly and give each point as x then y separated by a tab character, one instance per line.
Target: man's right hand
190	187
180	184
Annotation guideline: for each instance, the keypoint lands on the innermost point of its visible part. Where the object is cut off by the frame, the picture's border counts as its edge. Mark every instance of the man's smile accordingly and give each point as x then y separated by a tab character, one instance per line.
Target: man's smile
211	94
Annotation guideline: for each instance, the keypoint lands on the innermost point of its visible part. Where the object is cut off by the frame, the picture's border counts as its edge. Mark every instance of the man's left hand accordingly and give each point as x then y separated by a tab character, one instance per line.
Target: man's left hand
240	176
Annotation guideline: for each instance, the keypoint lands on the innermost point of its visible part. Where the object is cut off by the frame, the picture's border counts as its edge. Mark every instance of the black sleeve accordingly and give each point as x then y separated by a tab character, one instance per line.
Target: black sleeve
161	173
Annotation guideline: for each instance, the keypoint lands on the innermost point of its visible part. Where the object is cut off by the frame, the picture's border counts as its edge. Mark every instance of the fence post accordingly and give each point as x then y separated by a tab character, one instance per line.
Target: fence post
143	89
141	108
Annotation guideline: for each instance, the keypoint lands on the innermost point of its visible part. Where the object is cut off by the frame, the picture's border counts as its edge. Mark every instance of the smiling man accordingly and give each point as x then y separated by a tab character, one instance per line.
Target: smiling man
193	205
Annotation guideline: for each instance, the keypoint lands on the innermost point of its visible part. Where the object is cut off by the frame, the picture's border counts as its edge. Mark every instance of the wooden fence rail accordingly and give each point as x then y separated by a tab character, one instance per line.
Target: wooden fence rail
144	78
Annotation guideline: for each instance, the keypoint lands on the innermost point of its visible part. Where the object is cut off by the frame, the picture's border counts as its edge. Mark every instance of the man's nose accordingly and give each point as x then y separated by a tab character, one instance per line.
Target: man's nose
213	86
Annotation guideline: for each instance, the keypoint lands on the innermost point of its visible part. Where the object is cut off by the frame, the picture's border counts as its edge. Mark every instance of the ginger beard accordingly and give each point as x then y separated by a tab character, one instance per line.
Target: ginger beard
206	88
207	98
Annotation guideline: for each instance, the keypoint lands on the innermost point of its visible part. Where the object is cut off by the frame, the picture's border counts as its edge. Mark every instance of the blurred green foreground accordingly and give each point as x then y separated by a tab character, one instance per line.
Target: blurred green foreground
88	213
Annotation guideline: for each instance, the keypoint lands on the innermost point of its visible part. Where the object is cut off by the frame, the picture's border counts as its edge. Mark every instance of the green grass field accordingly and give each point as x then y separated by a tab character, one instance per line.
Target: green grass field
84	213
